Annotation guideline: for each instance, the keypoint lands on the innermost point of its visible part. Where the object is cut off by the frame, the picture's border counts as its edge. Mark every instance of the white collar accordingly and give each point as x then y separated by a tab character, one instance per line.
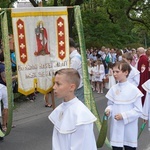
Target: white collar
124	93
68	115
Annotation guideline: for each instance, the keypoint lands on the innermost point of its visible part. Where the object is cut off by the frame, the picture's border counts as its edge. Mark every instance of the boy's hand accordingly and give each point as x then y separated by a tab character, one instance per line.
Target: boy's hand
118	117
107	112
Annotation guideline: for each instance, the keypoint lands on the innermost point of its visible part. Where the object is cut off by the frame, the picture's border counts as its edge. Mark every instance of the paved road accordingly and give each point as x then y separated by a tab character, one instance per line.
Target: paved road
33	130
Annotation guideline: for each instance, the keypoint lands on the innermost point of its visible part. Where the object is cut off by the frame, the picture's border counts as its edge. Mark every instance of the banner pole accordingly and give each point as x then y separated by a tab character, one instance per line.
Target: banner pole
88	94
8	72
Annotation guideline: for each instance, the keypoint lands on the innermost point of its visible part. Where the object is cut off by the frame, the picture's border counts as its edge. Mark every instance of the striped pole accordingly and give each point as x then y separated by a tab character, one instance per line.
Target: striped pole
88	94
8	72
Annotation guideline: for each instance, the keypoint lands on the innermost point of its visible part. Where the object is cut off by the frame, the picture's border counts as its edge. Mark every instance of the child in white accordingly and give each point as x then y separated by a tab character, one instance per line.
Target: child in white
134	75
73	121
111	79
100	74
93	72
146	106
124	108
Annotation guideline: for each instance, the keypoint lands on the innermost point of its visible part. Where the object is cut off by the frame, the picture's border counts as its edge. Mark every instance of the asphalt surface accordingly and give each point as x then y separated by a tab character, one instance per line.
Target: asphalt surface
33	130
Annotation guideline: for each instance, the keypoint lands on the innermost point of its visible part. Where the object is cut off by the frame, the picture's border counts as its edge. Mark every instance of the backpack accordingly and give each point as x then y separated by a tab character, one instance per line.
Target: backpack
107	59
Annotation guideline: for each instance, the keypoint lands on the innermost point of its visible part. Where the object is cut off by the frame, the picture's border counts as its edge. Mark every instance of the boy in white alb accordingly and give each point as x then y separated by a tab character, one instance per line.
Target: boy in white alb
134	75
146	106
124	108
73	121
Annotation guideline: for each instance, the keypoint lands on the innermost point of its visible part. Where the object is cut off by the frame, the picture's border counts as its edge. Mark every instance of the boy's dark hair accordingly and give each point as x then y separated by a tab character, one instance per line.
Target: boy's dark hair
72	75
1	57
72	43
123	66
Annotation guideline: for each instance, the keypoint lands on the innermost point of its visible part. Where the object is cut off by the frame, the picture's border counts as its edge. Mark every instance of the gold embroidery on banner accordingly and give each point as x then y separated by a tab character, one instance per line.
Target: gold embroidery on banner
33	14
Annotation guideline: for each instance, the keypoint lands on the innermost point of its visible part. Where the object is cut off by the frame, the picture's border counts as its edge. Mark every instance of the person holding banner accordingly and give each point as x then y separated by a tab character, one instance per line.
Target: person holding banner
124	107
73	121
3	93
4	100
76	63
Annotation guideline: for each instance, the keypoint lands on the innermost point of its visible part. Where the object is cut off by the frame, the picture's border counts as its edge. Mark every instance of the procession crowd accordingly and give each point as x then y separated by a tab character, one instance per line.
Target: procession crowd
100	62
125	73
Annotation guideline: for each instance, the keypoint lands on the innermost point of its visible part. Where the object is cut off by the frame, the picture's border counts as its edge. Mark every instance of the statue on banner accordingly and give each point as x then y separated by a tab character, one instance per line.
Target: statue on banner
41	39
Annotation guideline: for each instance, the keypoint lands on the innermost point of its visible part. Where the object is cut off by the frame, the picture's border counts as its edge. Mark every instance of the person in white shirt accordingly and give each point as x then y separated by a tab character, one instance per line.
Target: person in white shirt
110	76
100	74
4	99
113	55
73	121
76	63
124	107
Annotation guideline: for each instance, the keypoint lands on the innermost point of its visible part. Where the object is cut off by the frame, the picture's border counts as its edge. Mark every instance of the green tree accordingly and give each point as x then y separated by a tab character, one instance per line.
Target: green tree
113	23
64	3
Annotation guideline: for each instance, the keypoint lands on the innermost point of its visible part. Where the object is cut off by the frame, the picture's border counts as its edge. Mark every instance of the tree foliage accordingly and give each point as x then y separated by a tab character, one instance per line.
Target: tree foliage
6	4
113	23
116	23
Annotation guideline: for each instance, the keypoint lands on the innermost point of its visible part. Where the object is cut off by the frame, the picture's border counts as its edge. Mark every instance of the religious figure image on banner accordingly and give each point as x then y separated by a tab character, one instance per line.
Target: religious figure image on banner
41	38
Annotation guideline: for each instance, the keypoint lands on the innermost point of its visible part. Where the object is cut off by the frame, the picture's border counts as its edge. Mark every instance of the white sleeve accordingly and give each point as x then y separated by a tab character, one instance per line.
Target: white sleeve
56	144
83	138
137	79
75	63
146	107
109	106
134	113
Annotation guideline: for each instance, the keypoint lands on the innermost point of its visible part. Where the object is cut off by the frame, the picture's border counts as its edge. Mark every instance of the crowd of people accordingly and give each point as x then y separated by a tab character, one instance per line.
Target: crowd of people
100	63
116	70
122	69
